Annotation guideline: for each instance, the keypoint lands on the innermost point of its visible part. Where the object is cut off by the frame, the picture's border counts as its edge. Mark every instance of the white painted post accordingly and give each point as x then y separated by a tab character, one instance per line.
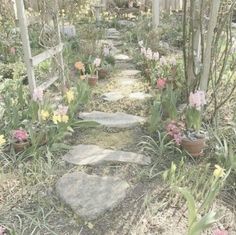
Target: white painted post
26	44
155	13
104	4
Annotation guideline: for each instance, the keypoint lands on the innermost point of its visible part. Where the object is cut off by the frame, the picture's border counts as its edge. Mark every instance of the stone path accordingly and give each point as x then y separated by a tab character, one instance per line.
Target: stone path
90	196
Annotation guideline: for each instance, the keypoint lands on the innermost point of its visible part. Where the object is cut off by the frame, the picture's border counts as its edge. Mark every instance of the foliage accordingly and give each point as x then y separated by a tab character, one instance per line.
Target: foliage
211	186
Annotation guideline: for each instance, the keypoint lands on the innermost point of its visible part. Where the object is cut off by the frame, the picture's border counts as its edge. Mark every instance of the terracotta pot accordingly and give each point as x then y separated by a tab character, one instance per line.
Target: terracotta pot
20	146
92	80
43	139
103	73
194	147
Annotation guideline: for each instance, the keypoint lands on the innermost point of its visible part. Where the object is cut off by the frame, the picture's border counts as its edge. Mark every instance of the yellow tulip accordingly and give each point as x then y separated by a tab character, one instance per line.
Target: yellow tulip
219	172
70	96
2	140
64	118
44	114
56	119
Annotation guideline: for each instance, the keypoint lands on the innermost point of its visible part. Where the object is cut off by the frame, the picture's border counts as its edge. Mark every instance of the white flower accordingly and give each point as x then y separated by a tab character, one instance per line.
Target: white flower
172	61
156	56
106	51
163	61
97	62
149	54
140	43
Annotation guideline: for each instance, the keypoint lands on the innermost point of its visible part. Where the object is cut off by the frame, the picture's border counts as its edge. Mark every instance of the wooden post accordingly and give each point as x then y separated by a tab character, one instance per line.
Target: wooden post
155	13
26	44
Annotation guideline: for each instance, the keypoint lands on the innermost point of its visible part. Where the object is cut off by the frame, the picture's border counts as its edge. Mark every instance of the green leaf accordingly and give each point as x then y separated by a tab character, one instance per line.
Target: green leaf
203	223
192	212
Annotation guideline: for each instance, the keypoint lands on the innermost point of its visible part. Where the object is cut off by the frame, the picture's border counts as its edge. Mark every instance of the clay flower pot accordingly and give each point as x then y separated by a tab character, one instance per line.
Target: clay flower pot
194	147
20	146
103	73
92	80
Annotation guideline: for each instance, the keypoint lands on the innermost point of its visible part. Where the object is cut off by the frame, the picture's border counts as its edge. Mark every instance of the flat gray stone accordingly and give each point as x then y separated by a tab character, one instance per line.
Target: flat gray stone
124	66
129	73
139	96
122	57
95	155
112	33
112	96
126	23
90	196
127	81
117	120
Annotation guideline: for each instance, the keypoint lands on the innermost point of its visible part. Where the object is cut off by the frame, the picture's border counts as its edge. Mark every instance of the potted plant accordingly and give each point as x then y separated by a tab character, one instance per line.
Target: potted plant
20	140
193	141
93	76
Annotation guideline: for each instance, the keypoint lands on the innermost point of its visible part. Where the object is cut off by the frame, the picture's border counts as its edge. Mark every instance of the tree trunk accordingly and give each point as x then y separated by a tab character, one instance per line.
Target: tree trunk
214	10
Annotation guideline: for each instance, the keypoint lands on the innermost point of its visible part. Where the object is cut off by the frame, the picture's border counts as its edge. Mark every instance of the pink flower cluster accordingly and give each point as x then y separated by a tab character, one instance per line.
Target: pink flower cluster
38	95
197	99
161	83
148	53
174	131
2	230
62	110
220	232
20	135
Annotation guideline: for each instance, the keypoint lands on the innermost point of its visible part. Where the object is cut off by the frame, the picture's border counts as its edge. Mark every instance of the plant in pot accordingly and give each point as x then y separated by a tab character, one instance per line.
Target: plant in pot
193	141
92	78
20	140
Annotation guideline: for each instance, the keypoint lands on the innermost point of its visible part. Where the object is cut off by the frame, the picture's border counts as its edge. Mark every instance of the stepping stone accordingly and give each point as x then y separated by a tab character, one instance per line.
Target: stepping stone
95	155
129	73
139	96
124	66
117	120
126	23
112	33
127	81
112	96
122	57
90	196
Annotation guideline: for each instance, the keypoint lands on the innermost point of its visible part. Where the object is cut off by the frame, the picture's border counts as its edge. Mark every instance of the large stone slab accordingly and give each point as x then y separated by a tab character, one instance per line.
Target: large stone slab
112	33
139	96
89	195
126	81
126	23
112	96
95	155
122	57
117	120
129	73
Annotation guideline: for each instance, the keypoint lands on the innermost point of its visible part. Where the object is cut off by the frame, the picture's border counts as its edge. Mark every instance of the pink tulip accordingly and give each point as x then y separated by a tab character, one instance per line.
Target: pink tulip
161	83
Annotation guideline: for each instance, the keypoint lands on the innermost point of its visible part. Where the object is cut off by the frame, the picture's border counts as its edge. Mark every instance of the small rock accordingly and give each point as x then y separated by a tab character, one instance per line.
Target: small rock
90	196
